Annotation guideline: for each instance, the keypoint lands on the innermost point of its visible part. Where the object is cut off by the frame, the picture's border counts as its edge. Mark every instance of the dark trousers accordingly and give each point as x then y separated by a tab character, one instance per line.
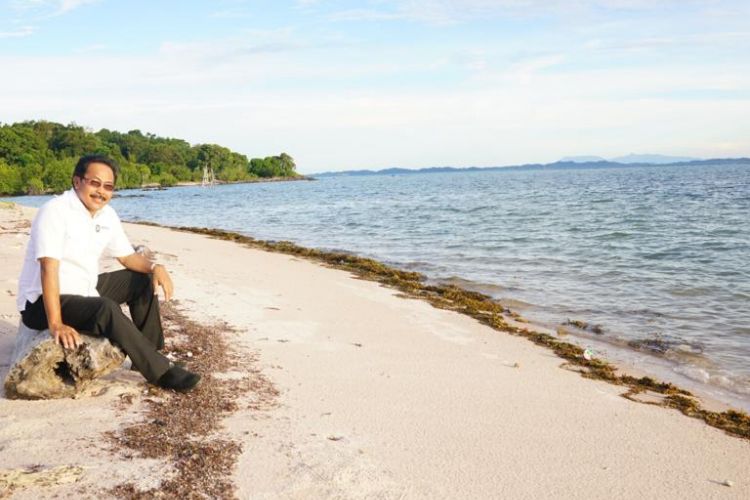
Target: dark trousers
101	316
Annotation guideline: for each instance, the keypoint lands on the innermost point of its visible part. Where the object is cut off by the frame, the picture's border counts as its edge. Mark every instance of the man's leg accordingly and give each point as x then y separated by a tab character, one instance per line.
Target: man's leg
101	316
135	289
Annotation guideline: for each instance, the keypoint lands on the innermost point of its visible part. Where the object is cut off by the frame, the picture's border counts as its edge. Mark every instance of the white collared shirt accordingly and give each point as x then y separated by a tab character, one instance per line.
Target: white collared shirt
63	229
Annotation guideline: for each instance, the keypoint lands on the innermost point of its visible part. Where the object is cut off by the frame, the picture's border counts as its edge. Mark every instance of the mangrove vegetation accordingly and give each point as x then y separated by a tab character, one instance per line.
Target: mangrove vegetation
38	157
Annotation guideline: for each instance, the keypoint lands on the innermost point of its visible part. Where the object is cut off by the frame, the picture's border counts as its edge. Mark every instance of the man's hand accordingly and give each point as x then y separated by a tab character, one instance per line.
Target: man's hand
160	278
65	335
159	275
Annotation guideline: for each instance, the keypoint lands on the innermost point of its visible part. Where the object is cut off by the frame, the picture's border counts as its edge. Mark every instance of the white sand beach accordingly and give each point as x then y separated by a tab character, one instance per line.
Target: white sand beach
379	397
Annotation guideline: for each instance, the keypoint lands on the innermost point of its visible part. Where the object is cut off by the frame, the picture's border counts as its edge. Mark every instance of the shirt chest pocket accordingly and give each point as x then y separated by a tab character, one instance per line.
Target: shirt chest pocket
87	240
78	241
101	236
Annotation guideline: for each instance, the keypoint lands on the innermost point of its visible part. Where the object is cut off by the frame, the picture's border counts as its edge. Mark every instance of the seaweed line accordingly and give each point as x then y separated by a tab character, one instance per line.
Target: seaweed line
182	428
487	311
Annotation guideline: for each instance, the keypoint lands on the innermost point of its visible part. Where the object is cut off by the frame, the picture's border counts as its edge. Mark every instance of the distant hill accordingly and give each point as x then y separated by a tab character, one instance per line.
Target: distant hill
652	159
558	165
582	159
631	158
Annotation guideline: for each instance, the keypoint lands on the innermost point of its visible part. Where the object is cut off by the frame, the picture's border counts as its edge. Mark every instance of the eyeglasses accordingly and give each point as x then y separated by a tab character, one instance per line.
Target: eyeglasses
96	184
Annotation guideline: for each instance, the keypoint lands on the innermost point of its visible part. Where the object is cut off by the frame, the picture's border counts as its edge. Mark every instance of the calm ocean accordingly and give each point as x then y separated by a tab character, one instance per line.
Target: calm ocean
657	257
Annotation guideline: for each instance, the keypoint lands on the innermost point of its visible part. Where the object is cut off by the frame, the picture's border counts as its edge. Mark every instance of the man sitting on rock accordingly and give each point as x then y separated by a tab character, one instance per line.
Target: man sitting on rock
60	287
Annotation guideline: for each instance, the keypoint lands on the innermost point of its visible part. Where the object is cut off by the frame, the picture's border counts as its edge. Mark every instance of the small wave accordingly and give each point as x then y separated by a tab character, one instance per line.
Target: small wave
690	291
715	377
724	232
474	286
615	235
518	239
664	254
667	345
584	326
131	196
418	263
515	304
479	209
650	313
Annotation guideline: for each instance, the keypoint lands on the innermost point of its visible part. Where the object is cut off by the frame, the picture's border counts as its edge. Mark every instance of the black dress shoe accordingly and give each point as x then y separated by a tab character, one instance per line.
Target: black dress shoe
179	379
181	364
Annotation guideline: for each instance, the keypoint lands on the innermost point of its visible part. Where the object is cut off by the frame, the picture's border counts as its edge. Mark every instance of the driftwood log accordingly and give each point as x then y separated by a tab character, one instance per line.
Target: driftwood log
42	369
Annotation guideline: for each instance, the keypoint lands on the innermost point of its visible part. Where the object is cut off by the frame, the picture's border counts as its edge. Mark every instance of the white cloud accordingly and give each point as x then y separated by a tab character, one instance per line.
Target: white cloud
40	9
95	47
234	13
683	42
365	15
446	12
520	114
524	71
513	99
18	33
64	6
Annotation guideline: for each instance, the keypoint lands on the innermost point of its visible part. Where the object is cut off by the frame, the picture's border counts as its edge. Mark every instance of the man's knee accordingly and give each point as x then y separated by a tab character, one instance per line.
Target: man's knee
142	282
107	307
109	317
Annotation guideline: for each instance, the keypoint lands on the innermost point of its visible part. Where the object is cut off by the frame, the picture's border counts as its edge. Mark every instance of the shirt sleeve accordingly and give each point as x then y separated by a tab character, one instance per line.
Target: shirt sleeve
48	233
119	245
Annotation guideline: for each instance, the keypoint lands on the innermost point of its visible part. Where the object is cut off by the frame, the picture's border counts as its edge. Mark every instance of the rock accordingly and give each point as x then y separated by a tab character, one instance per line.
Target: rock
42	369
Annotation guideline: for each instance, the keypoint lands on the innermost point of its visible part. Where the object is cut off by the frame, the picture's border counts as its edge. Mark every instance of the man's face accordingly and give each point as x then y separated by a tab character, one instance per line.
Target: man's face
95	198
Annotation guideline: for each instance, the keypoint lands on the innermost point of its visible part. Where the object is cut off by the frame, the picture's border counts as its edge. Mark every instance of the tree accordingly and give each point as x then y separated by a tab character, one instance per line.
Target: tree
287	165
273	166
57	174
133	145
20	144
167	179
10	179
130	175
35	152
34	186
74	141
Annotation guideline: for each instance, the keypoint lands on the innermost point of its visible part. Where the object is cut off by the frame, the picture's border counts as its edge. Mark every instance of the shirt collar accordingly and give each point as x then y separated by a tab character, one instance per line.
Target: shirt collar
76	204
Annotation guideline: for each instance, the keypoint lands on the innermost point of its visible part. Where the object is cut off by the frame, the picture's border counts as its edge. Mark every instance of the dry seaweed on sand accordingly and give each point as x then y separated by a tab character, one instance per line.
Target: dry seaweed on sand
487	311
183	428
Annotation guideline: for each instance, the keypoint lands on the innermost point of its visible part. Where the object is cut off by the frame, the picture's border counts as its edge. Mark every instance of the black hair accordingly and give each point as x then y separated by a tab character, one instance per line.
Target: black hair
83	165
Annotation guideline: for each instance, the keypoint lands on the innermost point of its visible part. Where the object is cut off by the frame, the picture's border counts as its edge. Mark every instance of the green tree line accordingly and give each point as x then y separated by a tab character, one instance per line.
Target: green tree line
38	157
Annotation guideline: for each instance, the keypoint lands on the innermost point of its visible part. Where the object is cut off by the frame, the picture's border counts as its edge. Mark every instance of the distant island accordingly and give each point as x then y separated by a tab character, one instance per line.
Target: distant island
575	162
644	159
38	157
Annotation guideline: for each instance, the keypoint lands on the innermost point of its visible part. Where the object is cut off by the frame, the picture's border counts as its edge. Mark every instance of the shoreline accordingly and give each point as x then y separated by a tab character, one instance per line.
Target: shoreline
627	358
490	312
380	394
621	353
225	183
511	321
158	187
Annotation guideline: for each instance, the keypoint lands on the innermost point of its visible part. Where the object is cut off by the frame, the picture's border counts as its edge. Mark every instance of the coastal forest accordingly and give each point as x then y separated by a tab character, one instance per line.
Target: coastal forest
38	157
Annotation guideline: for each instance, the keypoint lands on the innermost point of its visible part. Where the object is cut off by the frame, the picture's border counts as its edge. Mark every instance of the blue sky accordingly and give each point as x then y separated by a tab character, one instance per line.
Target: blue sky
345	85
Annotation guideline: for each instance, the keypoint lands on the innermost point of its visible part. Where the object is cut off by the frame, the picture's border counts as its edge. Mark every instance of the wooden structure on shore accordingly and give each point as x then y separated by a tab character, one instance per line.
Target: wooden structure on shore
208	176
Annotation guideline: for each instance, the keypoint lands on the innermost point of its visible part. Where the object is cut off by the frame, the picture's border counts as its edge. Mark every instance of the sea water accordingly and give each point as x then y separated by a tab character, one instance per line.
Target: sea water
654	259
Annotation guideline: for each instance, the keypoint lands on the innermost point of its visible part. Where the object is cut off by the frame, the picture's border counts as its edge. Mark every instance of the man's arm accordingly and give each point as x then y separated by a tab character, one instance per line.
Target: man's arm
159	275
68	336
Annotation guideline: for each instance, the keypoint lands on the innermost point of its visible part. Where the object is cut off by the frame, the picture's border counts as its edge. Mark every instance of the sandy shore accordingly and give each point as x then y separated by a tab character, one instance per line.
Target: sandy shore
379	397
